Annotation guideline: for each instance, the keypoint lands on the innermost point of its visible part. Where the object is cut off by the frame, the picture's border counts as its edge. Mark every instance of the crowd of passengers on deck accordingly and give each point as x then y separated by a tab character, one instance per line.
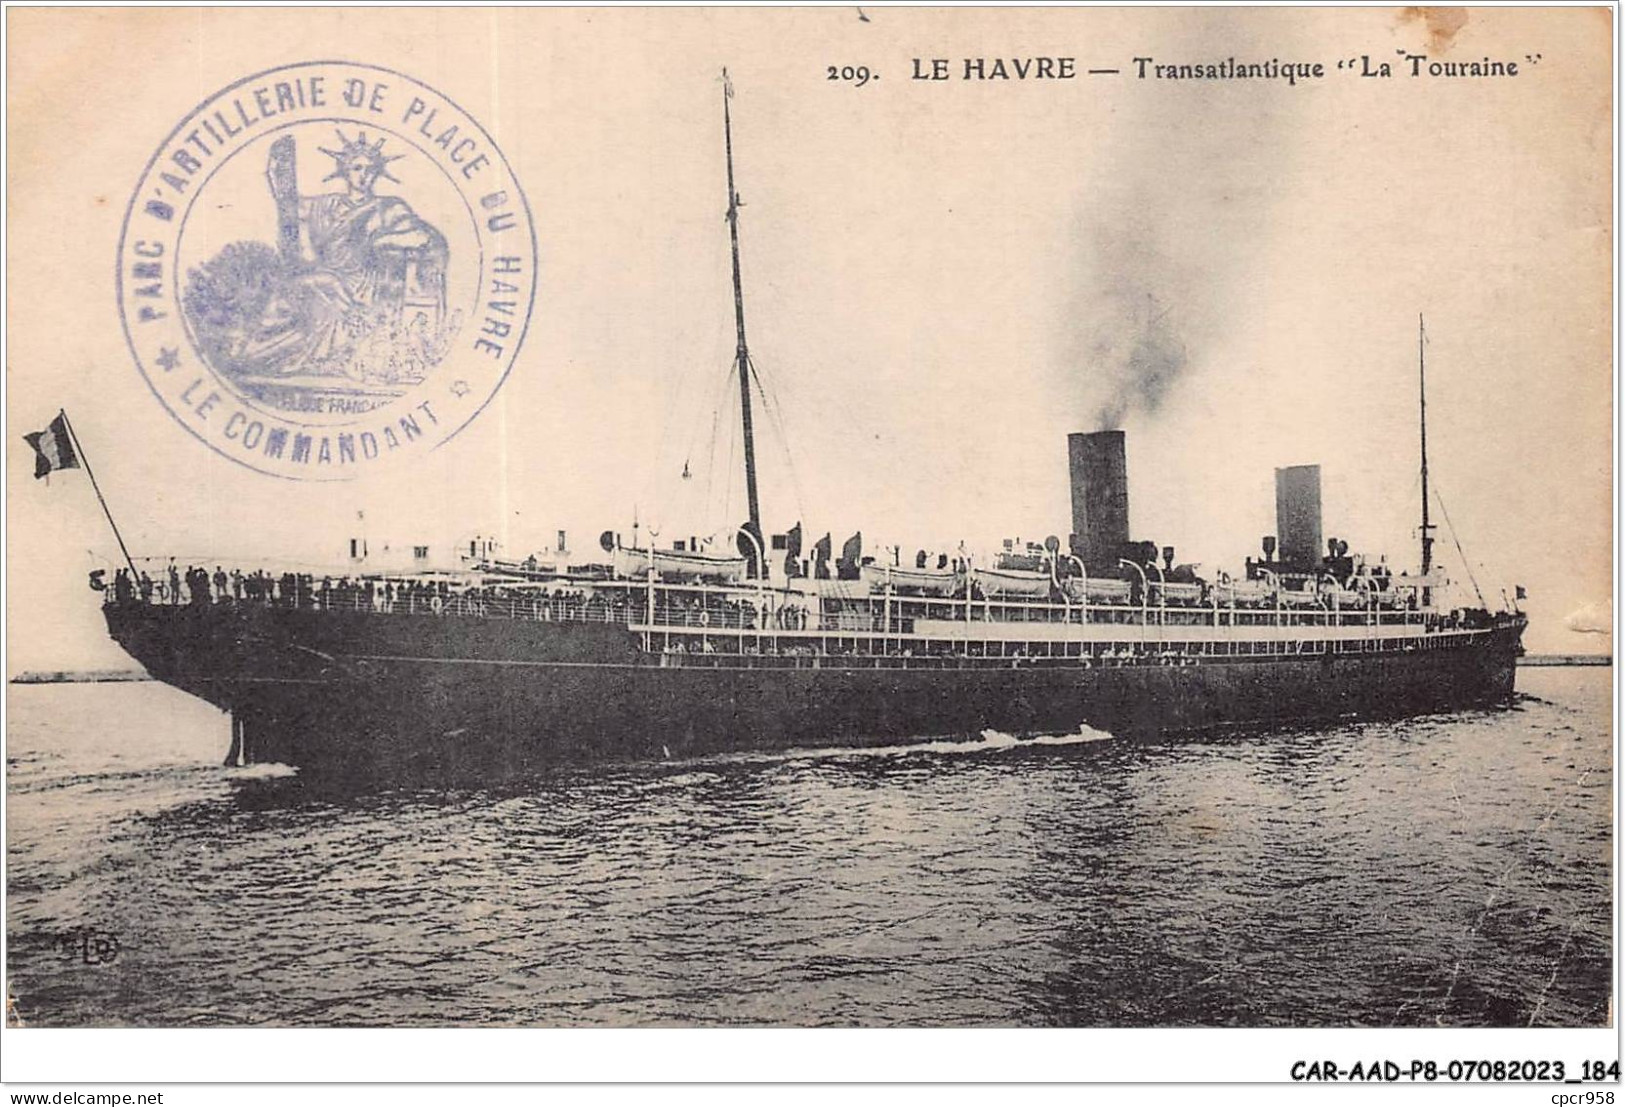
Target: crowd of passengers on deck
672	607
197	586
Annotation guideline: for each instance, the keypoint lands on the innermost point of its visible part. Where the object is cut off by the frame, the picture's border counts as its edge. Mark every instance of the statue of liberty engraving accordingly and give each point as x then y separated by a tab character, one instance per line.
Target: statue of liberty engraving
350	302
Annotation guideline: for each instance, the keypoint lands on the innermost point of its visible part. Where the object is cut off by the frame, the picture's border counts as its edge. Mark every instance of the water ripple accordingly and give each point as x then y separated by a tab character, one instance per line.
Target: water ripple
1453	870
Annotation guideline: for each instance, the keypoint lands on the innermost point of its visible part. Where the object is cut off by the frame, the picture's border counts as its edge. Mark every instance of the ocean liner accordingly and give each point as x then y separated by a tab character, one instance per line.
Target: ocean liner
645	652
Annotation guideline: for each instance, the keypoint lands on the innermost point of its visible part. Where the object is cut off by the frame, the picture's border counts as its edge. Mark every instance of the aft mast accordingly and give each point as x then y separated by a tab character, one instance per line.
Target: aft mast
742	354
1422	385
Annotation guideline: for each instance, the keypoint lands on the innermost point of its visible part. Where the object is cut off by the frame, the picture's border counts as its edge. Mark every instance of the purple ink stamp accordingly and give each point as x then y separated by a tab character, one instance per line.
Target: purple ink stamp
324	268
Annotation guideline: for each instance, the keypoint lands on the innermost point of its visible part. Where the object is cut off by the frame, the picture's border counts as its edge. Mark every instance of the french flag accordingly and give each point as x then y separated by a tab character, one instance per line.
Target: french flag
53	447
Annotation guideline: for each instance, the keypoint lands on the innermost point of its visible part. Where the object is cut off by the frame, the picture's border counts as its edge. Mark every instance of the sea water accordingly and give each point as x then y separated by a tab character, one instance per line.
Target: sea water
1448	870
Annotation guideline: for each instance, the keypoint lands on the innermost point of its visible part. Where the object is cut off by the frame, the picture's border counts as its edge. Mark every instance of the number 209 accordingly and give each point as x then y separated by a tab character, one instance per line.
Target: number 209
858	75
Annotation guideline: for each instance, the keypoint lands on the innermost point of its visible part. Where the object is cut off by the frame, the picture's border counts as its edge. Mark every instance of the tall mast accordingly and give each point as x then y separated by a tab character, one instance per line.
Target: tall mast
742	355
1422	375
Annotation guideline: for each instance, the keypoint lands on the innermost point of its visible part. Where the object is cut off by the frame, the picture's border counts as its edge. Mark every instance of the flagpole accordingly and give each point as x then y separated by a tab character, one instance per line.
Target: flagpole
91	473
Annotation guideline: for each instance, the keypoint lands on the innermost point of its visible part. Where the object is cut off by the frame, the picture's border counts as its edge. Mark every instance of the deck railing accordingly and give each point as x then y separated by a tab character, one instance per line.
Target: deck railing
722	627
723	609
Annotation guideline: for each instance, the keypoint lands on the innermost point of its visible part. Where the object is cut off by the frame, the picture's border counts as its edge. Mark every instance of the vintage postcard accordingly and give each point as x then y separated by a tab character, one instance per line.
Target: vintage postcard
803	517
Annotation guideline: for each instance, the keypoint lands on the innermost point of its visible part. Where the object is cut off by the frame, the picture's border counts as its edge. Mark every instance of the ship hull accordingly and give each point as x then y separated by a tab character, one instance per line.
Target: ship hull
376	695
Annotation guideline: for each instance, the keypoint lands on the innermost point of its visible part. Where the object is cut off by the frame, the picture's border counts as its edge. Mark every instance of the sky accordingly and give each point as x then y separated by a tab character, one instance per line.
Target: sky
942	279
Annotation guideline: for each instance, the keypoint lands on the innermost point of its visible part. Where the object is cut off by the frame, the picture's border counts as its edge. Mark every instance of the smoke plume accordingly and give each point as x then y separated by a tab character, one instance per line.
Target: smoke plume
1136	353
1593	618
1166	234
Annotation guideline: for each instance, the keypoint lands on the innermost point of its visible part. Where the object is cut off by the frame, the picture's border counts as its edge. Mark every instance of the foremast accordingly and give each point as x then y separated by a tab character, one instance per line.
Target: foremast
1422	393
755	556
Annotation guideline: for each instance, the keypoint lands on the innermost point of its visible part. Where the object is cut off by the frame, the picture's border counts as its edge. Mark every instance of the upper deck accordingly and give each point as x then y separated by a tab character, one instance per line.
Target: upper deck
698	623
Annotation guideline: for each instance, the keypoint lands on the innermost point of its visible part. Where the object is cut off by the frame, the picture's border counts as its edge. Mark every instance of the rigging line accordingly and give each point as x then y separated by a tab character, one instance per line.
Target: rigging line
683	425
1454	537
720	510
676	390
711	399
828	406
688	490
796	494
678	418
773	410
720	395
681	490
713	453
714	402
656	486
841	416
